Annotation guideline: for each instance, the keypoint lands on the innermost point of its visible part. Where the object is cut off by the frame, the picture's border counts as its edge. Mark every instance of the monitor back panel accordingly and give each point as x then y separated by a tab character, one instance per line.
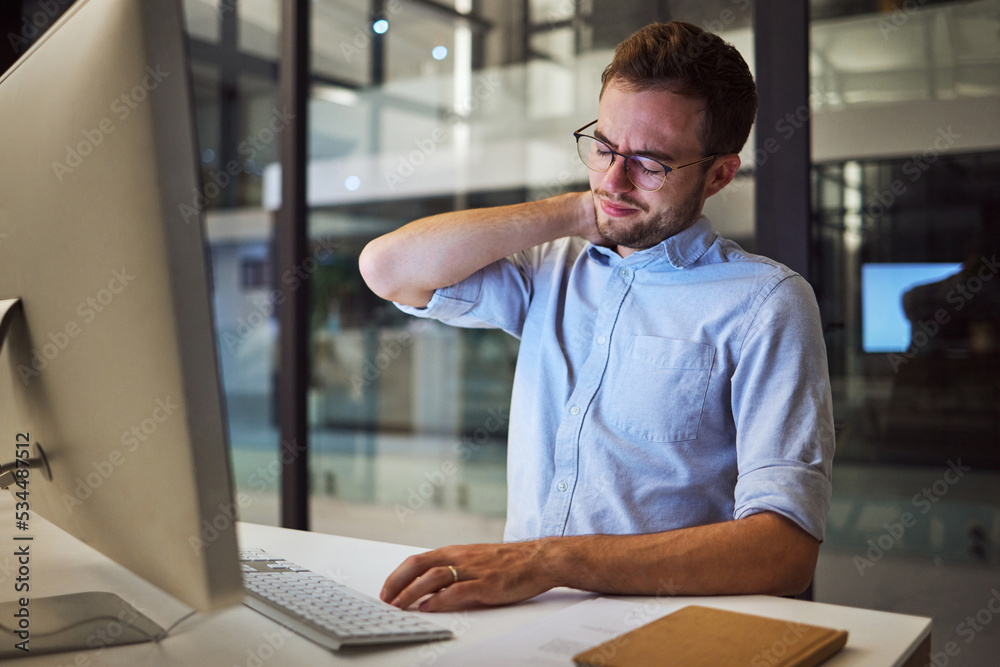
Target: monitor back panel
113	367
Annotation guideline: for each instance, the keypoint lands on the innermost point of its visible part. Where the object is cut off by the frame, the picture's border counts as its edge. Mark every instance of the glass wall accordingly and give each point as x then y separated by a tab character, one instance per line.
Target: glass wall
906	230
234	72
913	310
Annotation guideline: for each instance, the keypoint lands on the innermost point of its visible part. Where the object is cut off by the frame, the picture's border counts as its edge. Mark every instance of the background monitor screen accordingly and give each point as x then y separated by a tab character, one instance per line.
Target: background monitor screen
884	325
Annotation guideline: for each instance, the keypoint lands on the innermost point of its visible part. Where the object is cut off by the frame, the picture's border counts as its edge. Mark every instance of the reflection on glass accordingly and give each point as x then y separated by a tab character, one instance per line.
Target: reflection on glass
341	41
258	27
944	51
913	310
885	323
202	18
238	129
906	224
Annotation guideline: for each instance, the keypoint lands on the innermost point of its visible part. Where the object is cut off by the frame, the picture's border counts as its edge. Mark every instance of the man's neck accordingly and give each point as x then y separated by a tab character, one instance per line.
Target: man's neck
623	251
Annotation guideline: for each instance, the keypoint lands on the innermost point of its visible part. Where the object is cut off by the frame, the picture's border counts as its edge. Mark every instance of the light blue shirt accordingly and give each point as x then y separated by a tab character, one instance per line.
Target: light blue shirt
683	385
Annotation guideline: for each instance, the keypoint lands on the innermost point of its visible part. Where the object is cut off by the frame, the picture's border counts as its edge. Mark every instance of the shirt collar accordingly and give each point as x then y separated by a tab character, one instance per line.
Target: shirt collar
681	250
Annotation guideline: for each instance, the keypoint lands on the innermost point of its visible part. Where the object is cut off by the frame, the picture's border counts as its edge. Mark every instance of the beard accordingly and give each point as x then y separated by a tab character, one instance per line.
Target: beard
649	230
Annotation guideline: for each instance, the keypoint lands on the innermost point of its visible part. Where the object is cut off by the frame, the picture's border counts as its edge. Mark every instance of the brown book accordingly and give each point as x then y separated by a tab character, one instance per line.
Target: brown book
702	636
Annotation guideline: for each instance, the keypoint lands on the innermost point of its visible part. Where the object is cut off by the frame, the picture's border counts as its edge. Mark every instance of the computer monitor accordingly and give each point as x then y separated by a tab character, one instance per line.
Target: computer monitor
109	362
884	324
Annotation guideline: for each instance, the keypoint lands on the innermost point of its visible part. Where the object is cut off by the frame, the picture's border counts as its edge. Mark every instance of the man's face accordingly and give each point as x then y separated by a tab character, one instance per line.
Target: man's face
661	125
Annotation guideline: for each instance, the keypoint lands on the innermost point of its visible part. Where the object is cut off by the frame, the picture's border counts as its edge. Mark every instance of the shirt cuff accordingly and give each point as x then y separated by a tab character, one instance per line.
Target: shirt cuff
449	302
795	490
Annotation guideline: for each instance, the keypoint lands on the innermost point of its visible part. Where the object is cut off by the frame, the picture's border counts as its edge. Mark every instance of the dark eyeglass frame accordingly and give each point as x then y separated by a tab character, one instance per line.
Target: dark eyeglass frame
666	168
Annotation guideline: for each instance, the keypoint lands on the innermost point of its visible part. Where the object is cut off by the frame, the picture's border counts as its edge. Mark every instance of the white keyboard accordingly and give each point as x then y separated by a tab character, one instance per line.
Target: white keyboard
324	611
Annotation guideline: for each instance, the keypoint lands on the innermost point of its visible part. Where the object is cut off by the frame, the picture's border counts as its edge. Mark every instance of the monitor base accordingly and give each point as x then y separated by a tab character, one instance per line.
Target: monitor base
74	622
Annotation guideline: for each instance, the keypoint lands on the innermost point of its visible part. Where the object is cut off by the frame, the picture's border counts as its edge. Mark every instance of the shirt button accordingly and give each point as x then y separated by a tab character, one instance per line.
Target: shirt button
562	486
623	273
601	340
575	410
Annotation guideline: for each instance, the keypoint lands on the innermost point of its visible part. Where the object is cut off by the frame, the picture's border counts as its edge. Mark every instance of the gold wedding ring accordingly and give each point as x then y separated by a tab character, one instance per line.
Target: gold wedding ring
454	573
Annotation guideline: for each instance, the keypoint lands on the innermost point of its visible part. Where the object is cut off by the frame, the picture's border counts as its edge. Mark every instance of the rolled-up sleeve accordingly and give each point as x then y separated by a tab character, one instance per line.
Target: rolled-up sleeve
496	297
783	409
449	303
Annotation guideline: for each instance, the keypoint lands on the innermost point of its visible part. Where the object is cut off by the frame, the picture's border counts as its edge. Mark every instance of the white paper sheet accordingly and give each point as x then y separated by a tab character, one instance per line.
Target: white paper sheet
557	638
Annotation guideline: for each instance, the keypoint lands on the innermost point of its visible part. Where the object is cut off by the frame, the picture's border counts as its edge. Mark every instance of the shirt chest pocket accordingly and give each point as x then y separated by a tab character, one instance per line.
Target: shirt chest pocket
658	392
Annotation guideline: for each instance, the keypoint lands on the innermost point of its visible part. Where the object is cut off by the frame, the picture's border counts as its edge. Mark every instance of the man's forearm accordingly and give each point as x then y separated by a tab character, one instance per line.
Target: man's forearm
407	265
763	553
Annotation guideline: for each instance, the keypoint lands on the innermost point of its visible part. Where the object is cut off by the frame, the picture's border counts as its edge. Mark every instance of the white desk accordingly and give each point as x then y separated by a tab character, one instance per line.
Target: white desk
240	636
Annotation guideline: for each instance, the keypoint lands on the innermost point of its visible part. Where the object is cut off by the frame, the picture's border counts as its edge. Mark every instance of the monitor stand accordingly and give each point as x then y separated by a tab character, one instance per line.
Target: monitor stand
75	622
36	459
7	309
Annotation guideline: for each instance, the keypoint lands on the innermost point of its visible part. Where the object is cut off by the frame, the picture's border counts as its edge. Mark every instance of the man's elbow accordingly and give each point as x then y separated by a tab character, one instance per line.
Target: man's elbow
796	565
380	272
374	269
797	578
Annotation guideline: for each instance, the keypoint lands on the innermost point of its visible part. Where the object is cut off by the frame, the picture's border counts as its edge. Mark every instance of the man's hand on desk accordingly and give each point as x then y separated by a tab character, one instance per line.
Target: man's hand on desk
763	553
487	574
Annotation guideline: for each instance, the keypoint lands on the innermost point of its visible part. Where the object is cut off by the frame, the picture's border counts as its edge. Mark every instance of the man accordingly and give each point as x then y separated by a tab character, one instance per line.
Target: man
671	424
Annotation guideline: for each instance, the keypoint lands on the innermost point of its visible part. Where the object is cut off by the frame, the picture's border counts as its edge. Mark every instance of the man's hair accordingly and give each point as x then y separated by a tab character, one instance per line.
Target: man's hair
692	62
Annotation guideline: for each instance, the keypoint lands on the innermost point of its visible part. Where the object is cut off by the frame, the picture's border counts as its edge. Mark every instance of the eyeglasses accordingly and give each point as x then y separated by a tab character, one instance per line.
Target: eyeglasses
645	173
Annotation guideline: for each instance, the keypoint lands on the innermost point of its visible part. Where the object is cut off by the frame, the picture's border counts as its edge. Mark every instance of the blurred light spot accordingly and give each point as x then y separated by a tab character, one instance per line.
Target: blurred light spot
336	94
440	52
380	26
352	183
207	155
